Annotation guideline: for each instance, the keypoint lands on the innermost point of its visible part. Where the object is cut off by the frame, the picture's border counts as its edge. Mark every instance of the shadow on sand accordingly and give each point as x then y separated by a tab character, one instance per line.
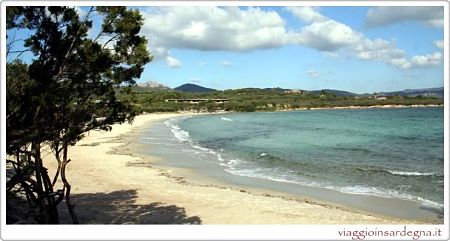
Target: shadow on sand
119	208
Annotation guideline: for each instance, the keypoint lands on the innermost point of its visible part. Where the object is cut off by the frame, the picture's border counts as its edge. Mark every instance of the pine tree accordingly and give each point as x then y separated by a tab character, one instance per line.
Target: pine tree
69	88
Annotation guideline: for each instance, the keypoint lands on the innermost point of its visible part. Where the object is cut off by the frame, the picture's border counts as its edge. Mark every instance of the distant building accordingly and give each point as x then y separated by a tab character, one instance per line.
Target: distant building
196	101
294	91
380	97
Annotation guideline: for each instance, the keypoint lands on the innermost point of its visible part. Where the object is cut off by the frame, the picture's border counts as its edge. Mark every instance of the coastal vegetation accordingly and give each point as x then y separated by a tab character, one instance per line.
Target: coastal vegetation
252	99
66	89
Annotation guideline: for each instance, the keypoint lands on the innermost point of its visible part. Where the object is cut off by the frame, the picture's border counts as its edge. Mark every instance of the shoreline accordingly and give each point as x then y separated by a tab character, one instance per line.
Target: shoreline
114	184
370	107
213	172
351	107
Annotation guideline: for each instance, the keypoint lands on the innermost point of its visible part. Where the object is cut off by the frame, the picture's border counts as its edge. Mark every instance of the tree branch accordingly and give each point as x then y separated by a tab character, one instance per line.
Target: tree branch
111	39
73	42
19	51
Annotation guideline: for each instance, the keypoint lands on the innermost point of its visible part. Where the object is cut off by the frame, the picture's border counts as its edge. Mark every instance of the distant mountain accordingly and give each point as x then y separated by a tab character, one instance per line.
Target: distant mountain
150	86
428	92
193	88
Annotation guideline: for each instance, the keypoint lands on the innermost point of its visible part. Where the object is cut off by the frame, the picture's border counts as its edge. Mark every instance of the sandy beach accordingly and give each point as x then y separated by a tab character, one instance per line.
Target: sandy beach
111	185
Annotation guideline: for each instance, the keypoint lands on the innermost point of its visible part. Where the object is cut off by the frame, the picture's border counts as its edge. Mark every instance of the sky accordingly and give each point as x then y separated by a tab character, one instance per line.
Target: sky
358	49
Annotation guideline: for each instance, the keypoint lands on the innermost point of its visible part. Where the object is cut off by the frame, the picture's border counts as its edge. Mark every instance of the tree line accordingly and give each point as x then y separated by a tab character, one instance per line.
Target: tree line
249	100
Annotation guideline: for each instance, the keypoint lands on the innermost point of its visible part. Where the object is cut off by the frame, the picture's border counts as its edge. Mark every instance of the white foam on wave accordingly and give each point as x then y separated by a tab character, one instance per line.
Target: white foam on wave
429	203
220	158
402	173
158	143
261	173
256	174
157	138
380	192
201	148
361	190
226	119
178	133
184	137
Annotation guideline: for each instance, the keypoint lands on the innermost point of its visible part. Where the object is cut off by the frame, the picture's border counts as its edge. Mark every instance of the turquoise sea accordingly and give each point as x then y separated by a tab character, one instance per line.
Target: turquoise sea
385	152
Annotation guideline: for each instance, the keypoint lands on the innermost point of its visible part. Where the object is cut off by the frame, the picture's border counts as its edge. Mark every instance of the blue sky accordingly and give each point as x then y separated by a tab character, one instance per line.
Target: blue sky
359	49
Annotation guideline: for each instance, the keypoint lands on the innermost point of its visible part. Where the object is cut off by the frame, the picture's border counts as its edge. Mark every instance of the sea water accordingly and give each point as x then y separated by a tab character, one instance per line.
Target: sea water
394	153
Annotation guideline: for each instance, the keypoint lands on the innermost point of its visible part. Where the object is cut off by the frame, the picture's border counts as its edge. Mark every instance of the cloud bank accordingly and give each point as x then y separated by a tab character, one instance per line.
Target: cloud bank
382	16
247	29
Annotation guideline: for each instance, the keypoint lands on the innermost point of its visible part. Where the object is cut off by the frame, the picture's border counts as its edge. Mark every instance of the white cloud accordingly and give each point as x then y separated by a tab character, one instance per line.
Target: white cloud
214	28
201	64
307	14
382	16
401	63
323	34
328	36
426	60
226	63
159	52
439	43
162	53
313	74
386	52
173	62
378	49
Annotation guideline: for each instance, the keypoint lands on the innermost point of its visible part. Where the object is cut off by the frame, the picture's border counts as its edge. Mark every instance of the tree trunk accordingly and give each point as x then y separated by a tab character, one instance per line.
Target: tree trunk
70	206
57	170
43	215
52	205
48	211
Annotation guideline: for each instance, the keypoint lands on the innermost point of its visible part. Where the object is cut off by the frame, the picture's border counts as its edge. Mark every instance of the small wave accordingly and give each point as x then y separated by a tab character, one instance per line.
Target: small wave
429	203
233	162
226	119
354	150
181	135
184	137
262	173
411	173
220	158
158	143
360	190
263	154
392	172
201	148
380	192
157	138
